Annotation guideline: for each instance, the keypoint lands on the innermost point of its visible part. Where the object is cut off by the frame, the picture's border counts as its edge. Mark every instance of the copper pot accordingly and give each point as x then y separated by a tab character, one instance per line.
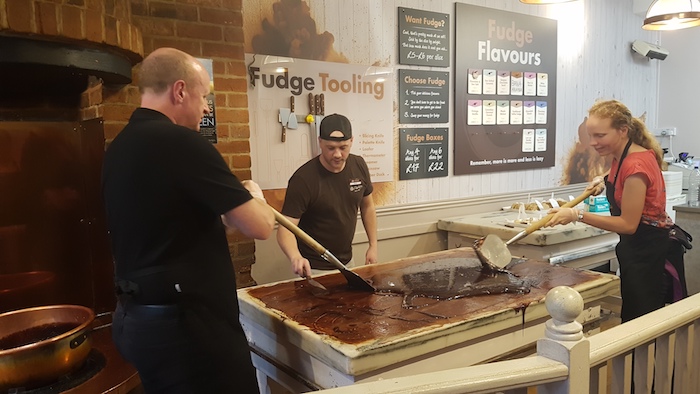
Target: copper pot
38	345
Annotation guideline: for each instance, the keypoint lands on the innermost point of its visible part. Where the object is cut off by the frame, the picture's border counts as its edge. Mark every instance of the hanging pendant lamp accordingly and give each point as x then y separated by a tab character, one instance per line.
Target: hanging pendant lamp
544	1
672	15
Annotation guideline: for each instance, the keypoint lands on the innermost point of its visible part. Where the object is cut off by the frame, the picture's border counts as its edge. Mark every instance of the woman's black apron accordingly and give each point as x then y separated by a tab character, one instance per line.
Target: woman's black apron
642	256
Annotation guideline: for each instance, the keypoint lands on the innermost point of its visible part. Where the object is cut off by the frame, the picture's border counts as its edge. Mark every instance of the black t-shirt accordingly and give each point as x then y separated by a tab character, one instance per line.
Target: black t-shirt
326	204
165	187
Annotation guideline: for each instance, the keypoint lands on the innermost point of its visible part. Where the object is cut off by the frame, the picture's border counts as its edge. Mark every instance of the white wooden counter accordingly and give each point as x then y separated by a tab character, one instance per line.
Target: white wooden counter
575	245
301	357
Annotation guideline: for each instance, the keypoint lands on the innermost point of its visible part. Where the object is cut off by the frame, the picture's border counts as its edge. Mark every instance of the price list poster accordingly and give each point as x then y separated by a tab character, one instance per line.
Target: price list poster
424	95
424	38
423	153
423	41
505	90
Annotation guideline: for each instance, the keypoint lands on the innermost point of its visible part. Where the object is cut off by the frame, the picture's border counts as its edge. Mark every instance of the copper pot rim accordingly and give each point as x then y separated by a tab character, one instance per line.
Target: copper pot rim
83	326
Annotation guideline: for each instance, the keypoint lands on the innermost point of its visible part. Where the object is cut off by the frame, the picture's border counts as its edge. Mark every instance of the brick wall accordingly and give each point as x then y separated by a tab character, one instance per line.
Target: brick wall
92	22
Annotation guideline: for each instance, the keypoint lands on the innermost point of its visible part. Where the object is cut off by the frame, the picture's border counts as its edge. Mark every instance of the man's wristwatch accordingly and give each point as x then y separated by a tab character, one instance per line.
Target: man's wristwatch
580	215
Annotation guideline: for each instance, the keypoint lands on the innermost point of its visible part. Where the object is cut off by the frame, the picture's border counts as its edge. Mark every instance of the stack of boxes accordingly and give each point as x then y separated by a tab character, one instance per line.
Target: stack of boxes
674	191
674	196
597	204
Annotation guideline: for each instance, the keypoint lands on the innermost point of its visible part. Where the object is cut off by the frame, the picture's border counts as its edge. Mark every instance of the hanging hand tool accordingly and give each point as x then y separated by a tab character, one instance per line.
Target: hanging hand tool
323	105
292	123
317	99
315	108
312	104
284	119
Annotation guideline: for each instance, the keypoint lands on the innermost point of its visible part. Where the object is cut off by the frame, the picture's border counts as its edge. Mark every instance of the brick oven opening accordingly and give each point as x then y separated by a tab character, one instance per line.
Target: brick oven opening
44	79
56	60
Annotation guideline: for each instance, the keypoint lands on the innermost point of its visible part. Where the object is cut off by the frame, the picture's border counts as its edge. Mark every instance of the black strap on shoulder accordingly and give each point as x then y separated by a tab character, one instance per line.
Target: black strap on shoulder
619	165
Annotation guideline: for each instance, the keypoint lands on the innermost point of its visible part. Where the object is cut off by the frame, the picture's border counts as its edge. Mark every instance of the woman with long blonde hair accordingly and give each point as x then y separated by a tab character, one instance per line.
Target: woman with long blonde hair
637	196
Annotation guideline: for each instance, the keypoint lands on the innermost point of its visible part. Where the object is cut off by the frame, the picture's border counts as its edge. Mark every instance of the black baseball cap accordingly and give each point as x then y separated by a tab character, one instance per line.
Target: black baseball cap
335	122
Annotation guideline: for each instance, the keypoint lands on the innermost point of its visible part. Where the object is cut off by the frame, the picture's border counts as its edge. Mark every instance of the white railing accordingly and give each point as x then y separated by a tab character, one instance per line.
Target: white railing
659	351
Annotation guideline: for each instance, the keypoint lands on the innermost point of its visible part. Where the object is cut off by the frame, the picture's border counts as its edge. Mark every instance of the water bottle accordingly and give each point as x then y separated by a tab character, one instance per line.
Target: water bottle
694	187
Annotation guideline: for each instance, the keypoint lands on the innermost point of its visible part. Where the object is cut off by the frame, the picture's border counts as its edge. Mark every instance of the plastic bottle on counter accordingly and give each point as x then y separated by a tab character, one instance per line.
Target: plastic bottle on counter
694	187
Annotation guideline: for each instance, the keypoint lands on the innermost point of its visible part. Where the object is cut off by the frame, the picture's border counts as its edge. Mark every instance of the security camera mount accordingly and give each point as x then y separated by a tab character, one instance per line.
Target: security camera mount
649	50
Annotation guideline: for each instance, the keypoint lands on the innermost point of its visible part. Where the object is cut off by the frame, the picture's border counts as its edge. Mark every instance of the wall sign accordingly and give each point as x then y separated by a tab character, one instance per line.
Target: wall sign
424	38
422	153
505	90
207	127
423	96
362	93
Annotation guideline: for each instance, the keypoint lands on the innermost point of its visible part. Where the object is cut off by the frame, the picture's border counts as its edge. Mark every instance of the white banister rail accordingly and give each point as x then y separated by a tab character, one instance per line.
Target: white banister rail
619	339
664	345
483	378
658	351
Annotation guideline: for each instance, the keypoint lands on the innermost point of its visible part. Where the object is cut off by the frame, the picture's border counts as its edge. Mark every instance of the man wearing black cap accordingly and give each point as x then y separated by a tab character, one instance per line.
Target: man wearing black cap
323	197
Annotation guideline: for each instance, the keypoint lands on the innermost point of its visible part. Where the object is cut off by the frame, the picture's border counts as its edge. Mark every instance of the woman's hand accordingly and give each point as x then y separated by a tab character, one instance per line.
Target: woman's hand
596	186
562	216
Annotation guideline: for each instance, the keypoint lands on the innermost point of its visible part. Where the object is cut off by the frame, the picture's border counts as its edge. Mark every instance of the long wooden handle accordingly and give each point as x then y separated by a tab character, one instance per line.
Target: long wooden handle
281	219
538	224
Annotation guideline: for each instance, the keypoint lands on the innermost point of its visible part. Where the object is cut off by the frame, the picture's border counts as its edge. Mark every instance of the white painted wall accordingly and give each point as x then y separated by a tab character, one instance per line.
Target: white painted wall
679	86
640	7
595	61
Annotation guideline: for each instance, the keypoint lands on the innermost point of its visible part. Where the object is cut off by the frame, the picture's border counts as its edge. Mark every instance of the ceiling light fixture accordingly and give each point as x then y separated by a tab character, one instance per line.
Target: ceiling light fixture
545	1
672	15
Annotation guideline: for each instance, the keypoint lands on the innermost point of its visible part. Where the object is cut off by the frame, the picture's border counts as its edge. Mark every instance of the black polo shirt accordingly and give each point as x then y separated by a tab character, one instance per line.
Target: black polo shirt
165	187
